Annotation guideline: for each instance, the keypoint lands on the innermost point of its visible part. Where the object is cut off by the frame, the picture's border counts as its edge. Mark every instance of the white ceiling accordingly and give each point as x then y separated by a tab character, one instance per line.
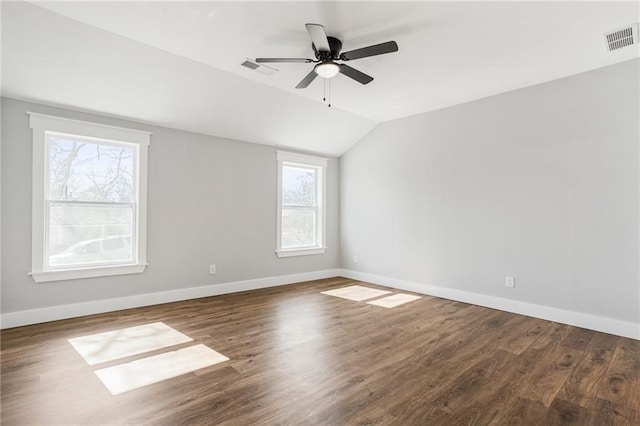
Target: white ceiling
51	59
450	52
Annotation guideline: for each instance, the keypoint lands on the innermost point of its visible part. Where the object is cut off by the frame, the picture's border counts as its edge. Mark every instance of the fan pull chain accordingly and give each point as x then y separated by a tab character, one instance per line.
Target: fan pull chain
324	89
326	97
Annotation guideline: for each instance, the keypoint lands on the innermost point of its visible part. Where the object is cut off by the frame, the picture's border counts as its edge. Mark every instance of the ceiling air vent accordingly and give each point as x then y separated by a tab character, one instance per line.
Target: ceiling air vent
250	65
261	68
622	38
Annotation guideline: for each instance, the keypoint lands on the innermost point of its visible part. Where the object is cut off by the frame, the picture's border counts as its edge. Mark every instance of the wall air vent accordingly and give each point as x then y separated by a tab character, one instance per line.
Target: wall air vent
623	37
261	68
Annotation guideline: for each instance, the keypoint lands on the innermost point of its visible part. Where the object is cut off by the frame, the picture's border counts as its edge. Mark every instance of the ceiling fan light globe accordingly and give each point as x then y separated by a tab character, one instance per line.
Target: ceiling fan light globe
327	69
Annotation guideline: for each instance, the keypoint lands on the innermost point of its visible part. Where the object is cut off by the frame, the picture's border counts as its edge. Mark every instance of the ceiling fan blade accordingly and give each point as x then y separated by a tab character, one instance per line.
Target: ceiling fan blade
307	80
353	73
292	60
364	52
318	37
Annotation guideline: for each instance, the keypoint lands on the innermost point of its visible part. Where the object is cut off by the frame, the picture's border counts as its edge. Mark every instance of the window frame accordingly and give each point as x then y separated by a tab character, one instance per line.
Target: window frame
40	125
320	165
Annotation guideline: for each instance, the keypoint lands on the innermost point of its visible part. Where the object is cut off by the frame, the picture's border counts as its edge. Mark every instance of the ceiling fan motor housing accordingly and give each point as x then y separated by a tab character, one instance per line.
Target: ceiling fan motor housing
334	44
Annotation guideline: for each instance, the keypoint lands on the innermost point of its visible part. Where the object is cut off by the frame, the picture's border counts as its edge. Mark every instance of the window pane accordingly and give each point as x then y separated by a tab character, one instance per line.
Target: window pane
298	186
82	235
298	228
82	170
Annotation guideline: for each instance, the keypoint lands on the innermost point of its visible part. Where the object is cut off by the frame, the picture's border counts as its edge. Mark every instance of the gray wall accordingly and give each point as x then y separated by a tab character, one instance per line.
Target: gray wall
540	183
210	200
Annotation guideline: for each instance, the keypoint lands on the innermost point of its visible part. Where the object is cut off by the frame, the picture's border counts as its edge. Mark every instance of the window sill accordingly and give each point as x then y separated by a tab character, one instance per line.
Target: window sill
300	252
92	272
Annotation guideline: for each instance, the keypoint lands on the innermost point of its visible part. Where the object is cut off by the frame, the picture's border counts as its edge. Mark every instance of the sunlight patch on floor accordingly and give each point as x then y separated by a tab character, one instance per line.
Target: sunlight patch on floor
116	344
142	372
394	300
356	292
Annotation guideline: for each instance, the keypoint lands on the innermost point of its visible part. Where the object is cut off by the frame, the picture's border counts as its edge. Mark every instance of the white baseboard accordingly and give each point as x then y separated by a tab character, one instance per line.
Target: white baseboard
53	313
592	322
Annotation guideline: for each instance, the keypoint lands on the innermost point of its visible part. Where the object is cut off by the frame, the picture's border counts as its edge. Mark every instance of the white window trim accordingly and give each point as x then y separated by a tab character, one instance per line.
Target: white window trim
303	160
40	124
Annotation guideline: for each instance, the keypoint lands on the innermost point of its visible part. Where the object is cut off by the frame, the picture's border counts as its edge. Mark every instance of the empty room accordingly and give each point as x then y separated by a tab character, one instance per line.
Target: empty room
320	213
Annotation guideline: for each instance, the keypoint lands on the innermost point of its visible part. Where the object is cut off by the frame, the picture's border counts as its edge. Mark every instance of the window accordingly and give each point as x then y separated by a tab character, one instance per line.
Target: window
301	204
89	199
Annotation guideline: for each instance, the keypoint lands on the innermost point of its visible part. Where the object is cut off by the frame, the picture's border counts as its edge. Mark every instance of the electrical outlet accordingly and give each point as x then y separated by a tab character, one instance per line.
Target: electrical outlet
510	282
212	269
355	259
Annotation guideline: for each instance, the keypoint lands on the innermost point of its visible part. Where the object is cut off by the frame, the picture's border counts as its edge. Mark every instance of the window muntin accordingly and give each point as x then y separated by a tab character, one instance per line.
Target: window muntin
89	199
301	181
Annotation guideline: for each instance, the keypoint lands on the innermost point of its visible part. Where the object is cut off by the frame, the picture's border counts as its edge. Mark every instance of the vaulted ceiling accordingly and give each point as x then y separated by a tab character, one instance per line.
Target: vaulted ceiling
177	64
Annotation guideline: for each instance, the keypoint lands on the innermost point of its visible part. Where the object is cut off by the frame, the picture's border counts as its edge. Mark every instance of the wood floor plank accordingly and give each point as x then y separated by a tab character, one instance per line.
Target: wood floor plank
298	357
520	411
528	330
548	377
584	381
492	384
609	413
622	382
562	412
579	338
553	336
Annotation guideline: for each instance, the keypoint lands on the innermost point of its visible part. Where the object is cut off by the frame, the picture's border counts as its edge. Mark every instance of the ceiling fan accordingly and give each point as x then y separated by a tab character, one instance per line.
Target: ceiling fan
327	52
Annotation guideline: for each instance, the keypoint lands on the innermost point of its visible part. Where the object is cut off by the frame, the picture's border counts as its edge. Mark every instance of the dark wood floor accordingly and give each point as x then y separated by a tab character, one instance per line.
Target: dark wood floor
299	357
